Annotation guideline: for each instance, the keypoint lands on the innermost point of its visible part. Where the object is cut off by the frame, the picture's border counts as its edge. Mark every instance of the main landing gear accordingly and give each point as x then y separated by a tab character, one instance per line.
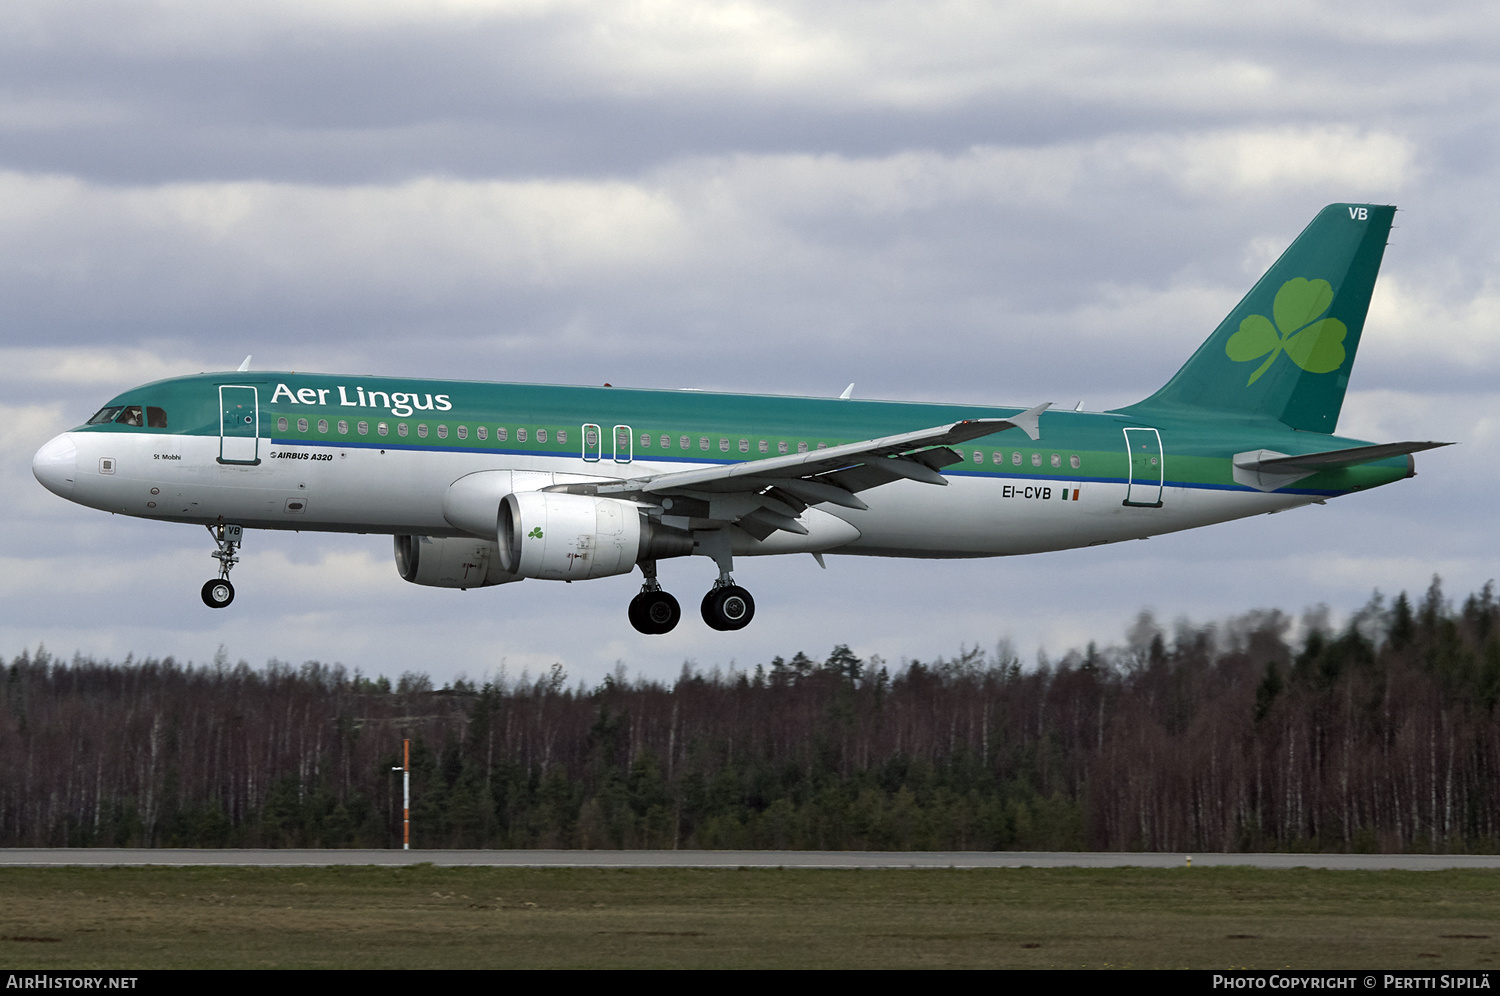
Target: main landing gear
653	611
727	606
218	592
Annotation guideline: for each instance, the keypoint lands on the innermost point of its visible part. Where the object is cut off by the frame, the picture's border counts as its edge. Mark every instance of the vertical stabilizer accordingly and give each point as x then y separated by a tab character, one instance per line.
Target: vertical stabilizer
1286	350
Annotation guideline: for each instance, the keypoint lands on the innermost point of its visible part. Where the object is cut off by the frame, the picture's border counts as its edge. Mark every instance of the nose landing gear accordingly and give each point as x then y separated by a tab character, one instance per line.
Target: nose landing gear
218	592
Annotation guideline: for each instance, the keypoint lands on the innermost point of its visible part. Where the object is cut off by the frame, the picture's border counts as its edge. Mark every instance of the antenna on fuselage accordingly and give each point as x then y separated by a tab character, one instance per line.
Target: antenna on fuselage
244	366
848	393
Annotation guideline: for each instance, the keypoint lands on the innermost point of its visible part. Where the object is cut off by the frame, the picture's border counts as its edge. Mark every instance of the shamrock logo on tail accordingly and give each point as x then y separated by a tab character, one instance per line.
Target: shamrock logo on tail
1315	346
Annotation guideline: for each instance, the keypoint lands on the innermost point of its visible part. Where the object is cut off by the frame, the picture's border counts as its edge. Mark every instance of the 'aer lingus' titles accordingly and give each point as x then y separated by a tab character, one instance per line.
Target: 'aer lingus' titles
402	404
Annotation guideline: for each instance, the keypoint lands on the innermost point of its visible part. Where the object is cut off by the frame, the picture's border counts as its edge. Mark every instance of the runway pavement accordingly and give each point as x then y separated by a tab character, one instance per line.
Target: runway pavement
20	857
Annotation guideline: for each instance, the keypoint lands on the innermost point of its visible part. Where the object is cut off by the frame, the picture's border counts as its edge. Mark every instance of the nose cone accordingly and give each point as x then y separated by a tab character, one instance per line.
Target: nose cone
56	465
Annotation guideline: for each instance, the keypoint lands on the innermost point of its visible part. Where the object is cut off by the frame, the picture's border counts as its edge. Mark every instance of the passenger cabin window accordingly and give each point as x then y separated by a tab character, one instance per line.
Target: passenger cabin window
322	425
302	425
482	432
281	424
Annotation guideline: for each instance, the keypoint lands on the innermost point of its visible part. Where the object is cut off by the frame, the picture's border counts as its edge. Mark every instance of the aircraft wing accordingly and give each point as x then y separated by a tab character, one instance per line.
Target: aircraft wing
763	496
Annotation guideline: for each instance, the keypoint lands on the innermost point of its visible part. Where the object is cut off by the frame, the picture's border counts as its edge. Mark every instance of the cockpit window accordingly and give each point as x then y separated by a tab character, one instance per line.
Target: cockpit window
150	417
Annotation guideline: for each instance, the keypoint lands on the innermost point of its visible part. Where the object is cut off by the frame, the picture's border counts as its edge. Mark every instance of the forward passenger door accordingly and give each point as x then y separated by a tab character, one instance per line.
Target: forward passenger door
239	425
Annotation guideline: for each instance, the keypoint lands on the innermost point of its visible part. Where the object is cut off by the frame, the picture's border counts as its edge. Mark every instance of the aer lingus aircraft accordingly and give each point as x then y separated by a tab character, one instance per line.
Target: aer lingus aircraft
485	484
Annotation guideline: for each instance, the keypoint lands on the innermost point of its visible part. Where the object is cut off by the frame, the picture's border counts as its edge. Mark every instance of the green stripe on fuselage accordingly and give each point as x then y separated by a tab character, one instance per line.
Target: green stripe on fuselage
1196	450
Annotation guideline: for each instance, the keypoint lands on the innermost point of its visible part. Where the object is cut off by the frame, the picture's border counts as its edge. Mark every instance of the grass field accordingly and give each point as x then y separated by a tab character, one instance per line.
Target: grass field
426	917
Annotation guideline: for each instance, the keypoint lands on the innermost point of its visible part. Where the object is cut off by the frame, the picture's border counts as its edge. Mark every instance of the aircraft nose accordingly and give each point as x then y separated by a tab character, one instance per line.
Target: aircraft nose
56	465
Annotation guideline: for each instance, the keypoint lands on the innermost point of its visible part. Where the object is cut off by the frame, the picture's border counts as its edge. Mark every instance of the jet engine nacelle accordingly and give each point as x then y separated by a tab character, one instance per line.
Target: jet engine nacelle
565	537
450	562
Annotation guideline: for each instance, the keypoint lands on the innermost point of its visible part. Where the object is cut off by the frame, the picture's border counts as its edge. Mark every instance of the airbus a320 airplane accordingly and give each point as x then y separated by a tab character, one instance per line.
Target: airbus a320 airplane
485	484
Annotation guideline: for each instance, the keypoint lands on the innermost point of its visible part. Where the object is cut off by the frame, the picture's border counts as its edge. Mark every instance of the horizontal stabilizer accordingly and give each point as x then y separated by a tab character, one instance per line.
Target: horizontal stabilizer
1266	470
1329	459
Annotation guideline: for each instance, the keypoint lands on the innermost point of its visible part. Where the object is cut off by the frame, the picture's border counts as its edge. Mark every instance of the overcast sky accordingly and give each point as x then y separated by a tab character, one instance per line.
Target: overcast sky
966	202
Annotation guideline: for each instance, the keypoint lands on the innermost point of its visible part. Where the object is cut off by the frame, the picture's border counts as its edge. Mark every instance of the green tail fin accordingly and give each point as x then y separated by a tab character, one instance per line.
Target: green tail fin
1285	351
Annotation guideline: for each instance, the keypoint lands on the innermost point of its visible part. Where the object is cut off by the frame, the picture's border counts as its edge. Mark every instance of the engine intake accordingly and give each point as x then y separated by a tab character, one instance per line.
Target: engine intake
565	537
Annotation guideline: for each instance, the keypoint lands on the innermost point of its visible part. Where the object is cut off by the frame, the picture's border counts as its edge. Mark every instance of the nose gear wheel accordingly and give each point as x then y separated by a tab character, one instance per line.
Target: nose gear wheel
218	592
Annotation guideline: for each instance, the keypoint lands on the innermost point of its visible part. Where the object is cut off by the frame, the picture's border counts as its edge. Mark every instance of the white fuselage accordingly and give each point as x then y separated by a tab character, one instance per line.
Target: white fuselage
178	478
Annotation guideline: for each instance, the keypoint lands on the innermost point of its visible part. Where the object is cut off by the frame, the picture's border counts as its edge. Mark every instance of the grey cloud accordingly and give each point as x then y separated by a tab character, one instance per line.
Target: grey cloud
986	203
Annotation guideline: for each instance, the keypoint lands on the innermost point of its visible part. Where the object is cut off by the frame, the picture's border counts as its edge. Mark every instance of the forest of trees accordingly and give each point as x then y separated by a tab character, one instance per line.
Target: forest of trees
1380	736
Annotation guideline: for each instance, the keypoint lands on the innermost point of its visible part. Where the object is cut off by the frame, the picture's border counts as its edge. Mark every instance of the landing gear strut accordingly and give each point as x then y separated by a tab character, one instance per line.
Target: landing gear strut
653	611
727	606
218	592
